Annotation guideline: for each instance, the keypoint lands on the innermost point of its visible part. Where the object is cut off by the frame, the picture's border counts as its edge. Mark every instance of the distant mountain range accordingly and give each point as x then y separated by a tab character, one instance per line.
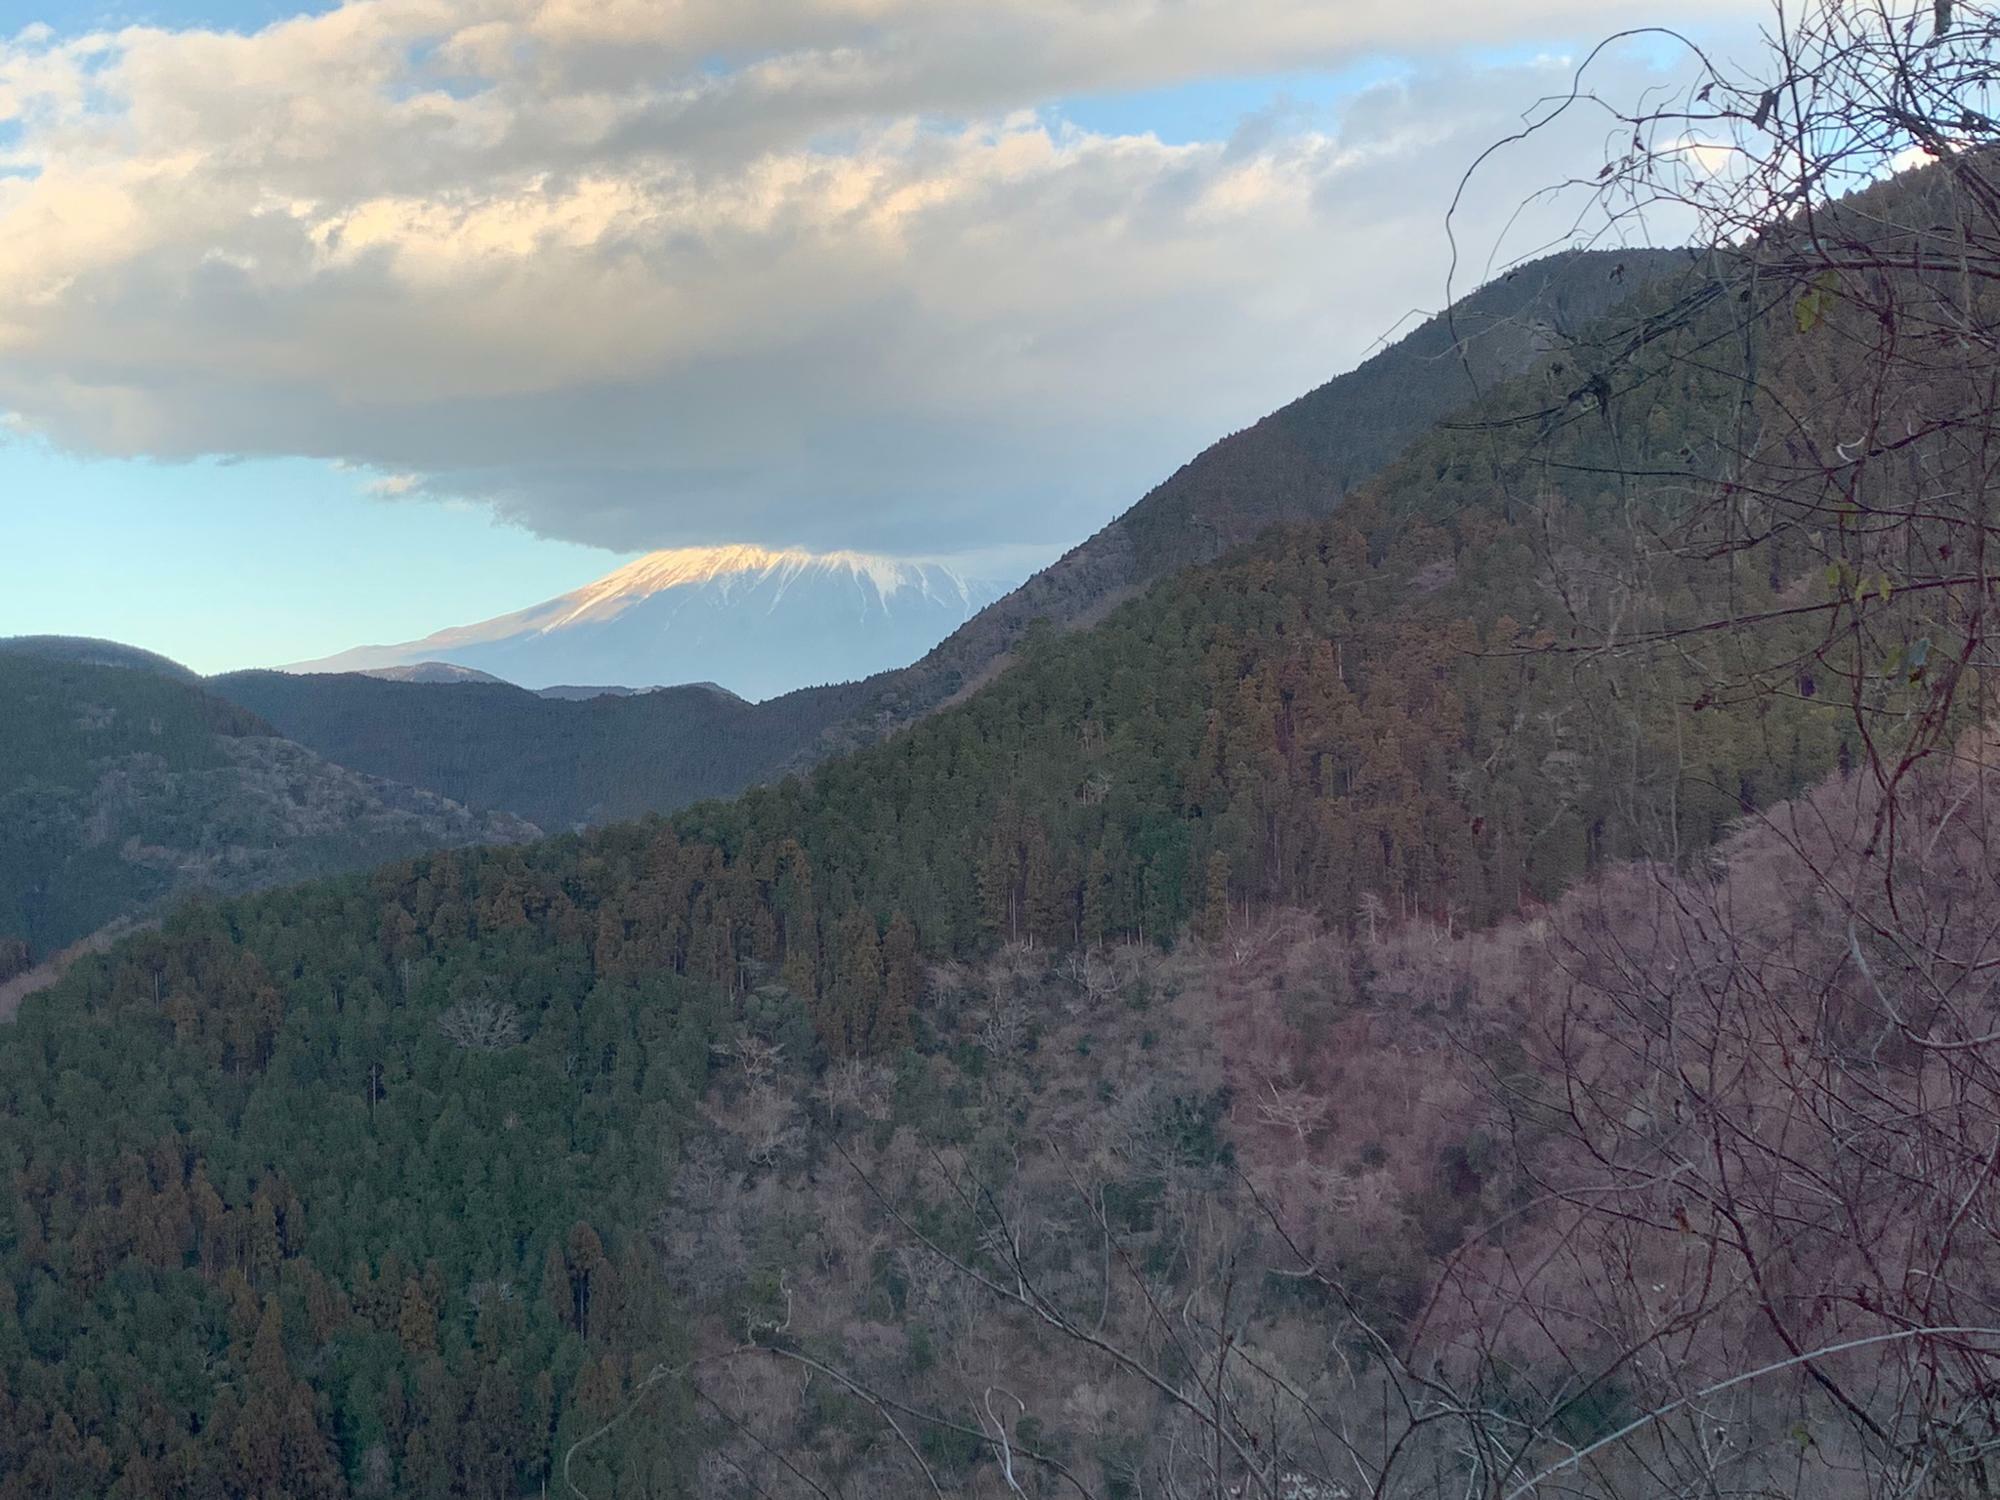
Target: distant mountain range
560	758
759	621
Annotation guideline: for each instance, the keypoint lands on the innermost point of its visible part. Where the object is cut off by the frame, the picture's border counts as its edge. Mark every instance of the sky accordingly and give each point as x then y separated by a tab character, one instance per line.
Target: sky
345	325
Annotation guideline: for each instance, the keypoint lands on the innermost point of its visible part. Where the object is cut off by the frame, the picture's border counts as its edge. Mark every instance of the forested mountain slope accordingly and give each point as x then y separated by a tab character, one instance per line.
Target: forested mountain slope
125	788
363	1188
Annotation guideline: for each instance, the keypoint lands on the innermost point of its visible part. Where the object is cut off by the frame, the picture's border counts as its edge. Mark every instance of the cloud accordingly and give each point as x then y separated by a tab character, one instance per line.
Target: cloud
389	485
833	272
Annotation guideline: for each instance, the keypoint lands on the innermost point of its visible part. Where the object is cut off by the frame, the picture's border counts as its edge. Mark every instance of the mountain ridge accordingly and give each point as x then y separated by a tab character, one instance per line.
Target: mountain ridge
1294	464
95	651
428	671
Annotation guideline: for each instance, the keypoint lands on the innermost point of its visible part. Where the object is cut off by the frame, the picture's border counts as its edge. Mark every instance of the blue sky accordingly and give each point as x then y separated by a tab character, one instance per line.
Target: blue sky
74	16
345	333
1209	109
223	565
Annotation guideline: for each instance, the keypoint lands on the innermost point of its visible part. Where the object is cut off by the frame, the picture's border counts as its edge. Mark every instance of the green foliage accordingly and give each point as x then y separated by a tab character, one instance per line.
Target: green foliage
1190	1129
251	1159
951	1452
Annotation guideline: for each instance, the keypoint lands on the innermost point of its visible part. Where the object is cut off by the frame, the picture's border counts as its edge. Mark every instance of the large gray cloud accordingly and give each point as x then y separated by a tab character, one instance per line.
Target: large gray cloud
817	273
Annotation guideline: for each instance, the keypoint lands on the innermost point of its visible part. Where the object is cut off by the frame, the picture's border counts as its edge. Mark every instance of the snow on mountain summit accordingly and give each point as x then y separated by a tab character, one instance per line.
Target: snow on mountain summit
752	567
758	620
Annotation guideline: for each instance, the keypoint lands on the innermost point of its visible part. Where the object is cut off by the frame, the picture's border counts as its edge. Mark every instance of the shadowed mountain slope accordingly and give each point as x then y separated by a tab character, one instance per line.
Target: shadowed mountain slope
556	760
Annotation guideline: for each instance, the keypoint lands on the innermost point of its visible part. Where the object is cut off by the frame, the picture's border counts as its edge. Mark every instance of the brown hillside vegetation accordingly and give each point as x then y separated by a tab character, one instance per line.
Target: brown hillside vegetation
1360	1207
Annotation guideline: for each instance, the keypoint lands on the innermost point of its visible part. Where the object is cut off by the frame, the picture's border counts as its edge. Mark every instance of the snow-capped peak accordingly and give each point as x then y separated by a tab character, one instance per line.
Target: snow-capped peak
759	620
744	562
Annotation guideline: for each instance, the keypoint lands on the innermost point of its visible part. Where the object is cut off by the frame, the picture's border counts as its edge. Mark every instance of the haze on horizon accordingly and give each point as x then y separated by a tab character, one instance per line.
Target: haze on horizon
354	325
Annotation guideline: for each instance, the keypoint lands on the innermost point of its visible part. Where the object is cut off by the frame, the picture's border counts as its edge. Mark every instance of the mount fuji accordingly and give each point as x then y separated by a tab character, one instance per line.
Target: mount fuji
756	620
